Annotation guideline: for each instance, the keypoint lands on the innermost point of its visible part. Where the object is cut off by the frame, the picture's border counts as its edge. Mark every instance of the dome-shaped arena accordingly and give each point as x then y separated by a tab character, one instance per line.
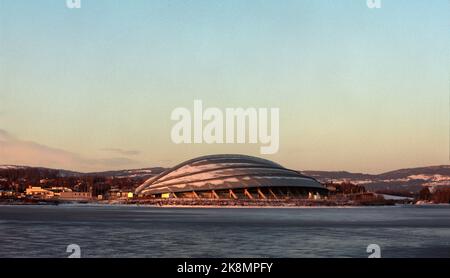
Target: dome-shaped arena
230	176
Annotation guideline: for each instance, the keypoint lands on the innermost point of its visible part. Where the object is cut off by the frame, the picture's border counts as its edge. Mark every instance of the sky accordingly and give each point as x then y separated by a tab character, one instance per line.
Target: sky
358	89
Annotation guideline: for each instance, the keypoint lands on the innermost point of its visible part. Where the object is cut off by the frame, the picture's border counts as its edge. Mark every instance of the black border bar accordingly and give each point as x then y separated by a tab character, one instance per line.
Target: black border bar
151	267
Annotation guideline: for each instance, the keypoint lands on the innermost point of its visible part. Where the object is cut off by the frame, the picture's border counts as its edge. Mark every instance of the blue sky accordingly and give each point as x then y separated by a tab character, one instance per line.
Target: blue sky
358	89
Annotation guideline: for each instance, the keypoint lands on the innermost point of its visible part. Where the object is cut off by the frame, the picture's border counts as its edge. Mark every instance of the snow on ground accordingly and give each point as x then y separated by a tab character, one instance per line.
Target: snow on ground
6	167
393	197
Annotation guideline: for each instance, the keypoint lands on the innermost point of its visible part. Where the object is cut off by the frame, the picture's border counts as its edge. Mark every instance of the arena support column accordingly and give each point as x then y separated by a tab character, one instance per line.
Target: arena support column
214	194
273	194
261	194
248	193
232	195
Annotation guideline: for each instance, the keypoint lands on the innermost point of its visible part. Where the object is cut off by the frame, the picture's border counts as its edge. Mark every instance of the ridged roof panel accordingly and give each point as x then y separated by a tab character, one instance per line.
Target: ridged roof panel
222	172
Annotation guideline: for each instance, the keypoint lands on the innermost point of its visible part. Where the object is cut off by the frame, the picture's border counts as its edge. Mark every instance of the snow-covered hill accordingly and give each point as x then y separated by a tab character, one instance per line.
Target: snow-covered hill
410	179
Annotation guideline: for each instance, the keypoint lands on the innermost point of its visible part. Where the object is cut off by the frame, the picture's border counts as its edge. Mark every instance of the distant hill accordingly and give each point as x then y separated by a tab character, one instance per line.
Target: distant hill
132	173
7	171
337	175
410	179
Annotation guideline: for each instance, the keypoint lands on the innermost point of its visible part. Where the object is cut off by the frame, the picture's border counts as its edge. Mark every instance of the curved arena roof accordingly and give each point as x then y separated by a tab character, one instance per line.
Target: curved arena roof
216	172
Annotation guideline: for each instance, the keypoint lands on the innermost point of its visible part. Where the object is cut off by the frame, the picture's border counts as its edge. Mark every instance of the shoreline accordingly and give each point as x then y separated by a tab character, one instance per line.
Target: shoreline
219	207
269	204
226	204
193	206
